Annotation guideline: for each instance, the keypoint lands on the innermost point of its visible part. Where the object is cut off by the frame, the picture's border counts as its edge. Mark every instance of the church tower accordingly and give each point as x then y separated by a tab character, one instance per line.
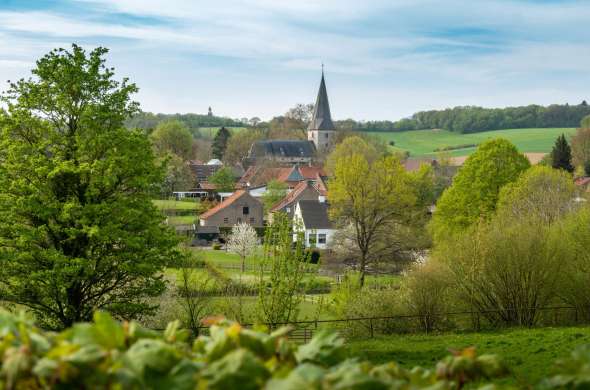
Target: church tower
321	129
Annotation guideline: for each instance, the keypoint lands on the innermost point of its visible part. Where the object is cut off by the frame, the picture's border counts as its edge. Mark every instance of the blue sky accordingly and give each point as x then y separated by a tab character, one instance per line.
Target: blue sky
385	59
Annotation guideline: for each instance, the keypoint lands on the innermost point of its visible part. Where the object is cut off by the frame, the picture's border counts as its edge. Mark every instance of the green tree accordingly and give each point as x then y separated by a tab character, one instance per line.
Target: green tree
220	143
275	191
561	155
475	190
542	192
581	147
585	122
178	176
239	145
372	200
78	230
172	136
281	273
224	180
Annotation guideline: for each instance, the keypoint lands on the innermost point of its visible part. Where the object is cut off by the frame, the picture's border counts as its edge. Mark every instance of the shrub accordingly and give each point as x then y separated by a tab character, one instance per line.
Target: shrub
108	354
505	269
391	143
314	256
349	300
216	247
426	295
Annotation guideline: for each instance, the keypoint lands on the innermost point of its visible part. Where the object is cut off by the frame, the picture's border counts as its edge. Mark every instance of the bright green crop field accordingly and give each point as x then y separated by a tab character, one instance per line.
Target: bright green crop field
424	142
530	353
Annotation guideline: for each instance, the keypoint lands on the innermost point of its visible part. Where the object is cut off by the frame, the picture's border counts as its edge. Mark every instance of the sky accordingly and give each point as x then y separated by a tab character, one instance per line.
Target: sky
384	59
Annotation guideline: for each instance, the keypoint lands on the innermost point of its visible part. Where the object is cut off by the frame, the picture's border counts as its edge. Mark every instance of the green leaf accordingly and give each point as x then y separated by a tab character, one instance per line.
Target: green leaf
326	348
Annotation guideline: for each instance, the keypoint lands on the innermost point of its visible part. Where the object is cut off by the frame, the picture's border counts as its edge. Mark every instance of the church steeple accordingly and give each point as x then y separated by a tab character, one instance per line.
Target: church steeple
321	129
321	118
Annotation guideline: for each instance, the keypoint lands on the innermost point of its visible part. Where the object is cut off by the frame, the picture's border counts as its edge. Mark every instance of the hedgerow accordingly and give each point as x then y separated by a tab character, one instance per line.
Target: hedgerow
122	355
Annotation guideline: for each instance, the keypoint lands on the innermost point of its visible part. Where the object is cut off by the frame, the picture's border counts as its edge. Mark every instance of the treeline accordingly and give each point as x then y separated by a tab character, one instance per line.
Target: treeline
148	121
472	119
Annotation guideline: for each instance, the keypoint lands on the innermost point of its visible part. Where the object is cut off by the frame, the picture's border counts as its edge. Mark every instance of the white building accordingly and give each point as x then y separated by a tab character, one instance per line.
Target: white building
311	217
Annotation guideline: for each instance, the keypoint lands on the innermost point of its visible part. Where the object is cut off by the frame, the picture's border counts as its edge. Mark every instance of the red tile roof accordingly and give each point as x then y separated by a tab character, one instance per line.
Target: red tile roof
214	210
582	181
291	196
257	176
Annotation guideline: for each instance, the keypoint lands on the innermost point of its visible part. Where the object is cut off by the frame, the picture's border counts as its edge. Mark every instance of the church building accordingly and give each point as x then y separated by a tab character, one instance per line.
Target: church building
320	138
321	129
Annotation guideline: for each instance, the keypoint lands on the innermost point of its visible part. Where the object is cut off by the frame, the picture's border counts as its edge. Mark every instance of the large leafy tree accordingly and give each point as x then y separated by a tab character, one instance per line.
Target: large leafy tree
475	190
371	199
173	137
78	231
561	155
581	148
220	143
224	179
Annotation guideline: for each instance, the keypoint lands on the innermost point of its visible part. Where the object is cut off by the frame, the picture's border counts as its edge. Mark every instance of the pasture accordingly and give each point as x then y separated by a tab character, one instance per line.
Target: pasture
425	142
530	353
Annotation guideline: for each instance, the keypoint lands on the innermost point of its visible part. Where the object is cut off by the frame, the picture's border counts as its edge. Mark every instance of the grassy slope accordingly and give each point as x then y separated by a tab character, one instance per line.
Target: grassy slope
530	353
423	142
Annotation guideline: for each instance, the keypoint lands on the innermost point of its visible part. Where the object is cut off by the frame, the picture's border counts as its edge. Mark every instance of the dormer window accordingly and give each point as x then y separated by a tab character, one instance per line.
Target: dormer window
245	210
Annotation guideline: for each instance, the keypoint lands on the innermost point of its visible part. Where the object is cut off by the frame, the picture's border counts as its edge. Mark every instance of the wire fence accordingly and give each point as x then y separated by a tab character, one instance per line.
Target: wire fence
370	327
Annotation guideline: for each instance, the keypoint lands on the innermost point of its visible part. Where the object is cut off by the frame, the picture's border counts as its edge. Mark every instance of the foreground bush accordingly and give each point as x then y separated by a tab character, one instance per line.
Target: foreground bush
109	354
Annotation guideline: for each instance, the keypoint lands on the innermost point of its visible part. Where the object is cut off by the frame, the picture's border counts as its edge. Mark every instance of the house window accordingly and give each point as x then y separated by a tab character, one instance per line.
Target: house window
321	238
326	135
288	209
312	238
226	220
239	220
245	210
252	220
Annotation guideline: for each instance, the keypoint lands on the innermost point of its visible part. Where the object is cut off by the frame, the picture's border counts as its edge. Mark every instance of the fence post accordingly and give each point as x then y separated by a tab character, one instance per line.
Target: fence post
371	326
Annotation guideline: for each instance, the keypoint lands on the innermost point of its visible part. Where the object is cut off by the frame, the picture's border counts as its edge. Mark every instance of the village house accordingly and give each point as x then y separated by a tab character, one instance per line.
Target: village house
240	207
305	190
311	219
257	177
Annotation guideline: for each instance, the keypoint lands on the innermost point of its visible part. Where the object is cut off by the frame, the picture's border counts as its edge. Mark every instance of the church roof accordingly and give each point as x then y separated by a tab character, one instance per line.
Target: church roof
321	119
282	148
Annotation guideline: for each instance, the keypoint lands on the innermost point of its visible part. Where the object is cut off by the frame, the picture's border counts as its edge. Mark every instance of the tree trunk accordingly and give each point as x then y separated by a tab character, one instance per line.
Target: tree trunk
362	267
243	264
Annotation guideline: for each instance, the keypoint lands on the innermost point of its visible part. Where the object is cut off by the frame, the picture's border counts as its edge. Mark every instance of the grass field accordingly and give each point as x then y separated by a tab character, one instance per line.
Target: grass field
424	142
168	204
209	132
530	353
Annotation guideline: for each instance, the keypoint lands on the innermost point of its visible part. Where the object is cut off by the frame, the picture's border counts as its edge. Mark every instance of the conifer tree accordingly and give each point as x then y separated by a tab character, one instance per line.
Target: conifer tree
220	142
561	155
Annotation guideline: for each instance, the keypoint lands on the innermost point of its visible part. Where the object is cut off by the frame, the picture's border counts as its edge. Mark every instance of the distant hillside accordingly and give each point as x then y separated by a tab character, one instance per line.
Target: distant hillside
148	121
429	142
471	119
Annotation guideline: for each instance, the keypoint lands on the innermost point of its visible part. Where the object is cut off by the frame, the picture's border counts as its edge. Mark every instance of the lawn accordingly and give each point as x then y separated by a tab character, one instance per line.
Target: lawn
530	353
424	142
182	220
170	204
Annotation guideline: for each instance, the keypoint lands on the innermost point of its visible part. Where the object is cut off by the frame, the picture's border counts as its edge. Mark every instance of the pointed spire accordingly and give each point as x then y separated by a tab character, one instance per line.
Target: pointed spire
321	118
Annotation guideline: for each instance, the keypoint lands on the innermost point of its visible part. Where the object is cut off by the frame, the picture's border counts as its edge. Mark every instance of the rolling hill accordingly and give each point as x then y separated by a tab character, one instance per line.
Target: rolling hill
425	142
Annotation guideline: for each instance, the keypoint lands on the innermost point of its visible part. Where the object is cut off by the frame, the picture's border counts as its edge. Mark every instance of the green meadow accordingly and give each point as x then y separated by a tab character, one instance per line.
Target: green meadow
530	353
424	142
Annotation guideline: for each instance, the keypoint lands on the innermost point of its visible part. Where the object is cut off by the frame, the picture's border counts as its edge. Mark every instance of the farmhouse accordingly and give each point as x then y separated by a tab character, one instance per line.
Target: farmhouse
311	218
239	207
